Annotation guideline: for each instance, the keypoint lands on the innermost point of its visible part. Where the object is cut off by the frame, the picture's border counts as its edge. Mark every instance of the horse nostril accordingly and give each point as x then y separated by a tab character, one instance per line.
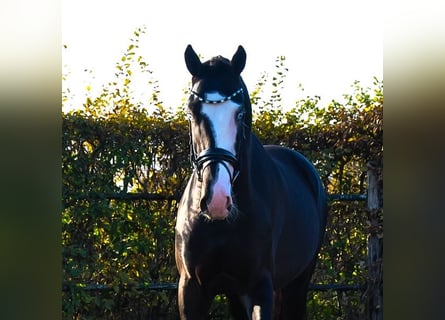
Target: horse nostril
204	205
228	203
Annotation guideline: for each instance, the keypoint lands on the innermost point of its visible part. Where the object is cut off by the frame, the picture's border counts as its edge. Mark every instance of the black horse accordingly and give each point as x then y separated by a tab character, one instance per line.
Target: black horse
251	220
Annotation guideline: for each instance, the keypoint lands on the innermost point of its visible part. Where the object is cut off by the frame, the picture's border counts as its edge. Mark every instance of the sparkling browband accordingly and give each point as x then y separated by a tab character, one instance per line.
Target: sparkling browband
240	90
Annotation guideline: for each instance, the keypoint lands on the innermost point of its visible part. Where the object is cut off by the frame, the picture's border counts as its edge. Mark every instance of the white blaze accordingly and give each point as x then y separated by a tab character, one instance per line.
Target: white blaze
222	118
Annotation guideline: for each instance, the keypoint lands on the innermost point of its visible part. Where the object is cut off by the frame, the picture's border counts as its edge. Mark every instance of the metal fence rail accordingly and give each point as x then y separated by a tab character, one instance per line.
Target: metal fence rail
174	286
131	196
164	197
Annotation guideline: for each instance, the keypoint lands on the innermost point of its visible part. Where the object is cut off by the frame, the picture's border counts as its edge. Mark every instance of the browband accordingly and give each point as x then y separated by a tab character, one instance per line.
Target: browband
200	98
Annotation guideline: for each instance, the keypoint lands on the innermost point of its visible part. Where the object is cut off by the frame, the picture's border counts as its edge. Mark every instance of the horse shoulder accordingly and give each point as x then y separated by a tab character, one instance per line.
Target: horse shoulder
289	160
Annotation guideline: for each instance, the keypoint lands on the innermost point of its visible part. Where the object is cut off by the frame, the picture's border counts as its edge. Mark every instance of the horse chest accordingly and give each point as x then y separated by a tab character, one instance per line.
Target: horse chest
221	270
228	260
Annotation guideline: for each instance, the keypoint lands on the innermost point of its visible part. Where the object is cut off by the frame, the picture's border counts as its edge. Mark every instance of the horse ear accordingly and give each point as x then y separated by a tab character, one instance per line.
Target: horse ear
192	61
238	60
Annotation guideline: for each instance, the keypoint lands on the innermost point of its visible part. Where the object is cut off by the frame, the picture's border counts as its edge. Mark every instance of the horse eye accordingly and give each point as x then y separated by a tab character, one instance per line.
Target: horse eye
189	115
240	116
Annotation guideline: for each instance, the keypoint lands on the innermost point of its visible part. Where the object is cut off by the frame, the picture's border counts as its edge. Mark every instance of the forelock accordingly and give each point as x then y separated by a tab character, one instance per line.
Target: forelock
217	75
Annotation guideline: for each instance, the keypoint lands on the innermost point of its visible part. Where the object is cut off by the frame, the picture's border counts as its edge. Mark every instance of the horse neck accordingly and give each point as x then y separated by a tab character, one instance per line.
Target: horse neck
252	151
251	160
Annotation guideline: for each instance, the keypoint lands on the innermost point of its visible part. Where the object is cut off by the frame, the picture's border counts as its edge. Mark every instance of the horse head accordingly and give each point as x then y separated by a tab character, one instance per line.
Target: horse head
220	113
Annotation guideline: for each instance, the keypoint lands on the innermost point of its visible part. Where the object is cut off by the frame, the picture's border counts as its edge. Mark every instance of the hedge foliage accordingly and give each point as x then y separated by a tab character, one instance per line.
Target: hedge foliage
114	145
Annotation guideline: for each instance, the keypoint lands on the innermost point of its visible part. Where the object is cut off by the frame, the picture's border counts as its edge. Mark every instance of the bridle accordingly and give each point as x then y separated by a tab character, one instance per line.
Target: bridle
202	99
214	155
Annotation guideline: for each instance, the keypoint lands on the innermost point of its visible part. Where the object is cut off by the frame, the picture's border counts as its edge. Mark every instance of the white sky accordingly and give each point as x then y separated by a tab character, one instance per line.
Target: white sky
327	44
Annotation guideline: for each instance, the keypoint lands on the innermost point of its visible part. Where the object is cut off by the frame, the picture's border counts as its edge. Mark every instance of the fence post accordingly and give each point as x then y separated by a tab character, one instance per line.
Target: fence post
374	291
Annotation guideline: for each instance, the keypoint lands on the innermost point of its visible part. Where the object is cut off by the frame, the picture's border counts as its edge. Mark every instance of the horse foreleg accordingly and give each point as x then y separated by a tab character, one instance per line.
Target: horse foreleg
262	299
239	307
193	303
294	296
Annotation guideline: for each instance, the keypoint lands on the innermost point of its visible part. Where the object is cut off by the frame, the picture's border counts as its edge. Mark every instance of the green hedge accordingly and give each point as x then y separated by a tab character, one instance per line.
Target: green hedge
112	146
123	244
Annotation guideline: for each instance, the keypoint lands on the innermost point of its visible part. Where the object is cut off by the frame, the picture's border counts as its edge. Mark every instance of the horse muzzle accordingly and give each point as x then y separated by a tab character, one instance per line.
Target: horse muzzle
218	208
216	201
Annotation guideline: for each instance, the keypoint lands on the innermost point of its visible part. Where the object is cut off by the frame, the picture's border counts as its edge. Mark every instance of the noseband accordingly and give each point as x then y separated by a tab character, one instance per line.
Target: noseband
214	155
